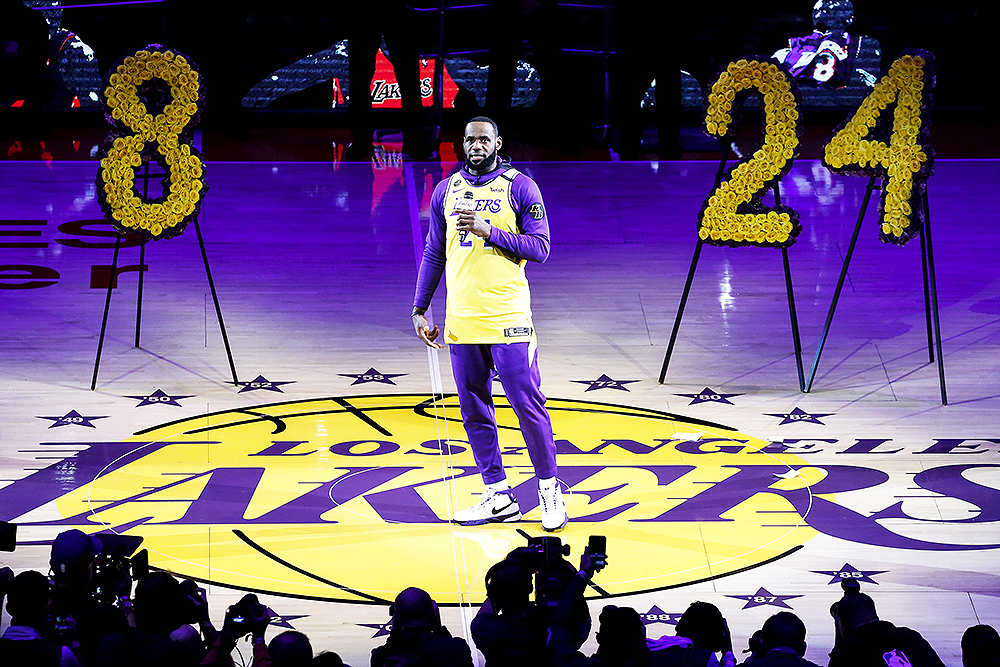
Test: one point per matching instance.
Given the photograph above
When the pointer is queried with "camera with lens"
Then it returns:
(240, 615)
(545, 556)
(118, 557)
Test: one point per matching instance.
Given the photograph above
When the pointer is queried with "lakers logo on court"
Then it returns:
(348, 498)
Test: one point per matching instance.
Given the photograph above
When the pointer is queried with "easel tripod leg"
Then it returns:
(215, 297)
(927, 297)
(138, 302)
(934, 299)
(142, 259)
(797, 341)
(680, 310)
(107, 309)
(840, 283)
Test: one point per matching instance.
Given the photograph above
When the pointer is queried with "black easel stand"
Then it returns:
(931, 313)
(690, 278)
(138, 313)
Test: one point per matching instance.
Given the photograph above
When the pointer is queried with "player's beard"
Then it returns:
(484, 167)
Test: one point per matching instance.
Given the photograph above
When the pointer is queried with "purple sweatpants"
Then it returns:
(474, 367)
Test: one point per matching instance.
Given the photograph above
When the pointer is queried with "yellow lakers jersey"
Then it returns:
(488, 297)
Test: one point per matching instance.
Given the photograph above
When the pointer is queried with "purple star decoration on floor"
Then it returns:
(381, 629)
(851, 572)
(159, 397)
(277, 620)
(764, 597)
(657, 615)
(73, 418)
(604, 382)
(799, 415)
(261, 382)
(709, 396)
(371, 375)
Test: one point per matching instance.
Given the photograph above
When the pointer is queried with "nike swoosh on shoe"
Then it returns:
(498, 511)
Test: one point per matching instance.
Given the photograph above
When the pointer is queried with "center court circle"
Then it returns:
(349, 498)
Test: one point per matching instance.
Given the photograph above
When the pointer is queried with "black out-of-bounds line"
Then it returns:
(360, 414)
(421, 409)
(371, 599)
(278, 559)
(279, 425)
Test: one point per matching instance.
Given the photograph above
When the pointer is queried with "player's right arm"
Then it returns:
(431, 269)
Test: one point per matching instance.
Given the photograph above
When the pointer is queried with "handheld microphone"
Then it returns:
(466, 203)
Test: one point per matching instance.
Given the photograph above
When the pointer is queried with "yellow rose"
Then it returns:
(703, 234)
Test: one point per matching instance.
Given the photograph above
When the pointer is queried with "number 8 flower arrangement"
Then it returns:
(153, 99)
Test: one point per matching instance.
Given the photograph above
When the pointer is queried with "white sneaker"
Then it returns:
(553, 509)
(493, 507)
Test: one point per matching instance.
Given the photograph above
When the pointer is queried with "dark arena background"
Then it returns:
(768, 328)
